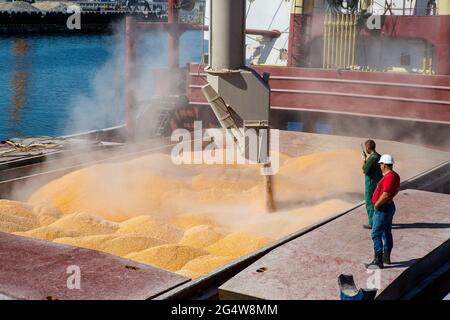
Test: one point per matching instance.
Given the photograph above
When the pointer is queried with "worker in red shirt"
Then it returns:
(382, 199)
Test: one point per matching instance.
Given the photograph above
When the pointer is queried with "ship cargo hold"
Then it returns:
(143, 221)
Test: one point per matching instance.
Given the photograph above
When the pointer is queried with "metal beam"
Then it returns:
(130, 75)
(227, 35)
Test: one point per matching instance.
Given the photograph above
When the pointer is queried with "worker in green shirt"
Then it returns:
(372, 174)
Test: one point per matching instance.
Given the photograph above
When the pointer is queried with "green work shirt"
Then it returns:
(371, 168)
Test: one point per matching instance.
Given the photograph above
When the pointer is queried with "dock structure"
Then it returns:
(308, 267)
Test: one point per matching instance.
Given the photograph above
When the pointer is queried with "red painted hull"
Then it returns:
(371, 94)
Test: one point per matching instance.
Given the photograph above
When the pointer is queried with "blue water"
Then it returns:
(55, 85)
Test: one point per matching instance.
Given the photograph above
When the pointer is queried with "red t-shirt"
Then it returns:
(390, 183)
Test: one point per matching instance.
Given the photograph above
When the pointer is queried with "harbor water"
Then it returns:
(48, 82)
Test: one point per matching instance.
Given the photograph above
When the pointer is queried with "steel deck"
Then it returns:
(36, 270)
(308, 267)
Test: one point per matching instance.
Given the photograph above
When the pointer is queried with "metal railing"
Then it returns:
(339, 41)
(120, 5)
(379, 7)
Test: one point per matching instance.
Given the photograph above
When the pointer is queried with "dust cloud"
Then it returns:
(189, 219)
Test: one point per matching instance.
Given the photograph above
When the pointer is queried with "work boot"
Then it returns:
(387, 257)
(367, 226)
(377, 262)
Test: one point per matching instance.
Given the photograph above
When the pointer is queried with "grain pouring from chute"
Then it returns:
(233, 88)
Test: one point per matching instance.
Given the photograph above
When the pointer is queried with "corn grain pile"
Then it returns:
(189, 219)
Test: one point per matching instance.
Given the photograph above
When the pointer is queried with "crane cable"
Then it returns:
(202, 41)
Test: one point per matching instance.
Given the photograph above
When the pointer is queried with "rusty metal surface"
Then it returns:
(308, 267)
(35, 269)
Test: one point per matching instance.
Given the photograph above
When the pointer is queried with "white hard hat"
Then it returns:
(387, 159)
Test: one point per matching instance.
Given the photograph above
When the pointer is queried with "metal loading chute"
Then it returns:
(233, 86)
(223, 114)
